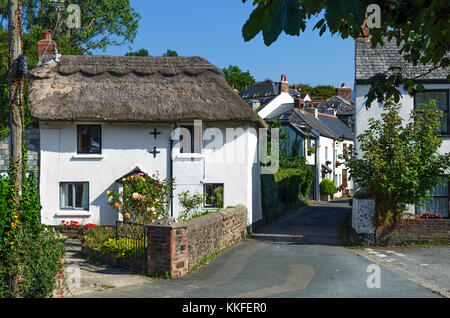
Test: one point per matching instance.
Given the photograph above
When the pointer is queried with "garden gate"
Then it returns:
(131, 240)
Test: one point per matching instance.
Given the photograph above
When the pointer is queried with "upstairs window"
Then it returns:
(74, 195)
(89, 139)
(422, 99)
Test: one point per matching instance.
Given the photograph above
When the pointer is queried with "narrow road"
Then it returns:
(300, 256)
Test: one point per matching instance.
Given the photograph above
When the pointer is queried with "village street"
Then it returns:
(300, 256)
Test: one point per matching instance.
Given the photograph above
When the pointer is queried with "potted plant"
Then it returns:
(327, 189)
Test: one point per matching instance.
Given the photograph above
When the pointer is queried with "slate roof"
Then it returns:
(342, 105)
(261, 90)
(336, 126)
(369, 62)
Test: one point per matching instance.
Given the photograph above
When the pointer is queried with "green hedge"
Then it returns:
(327, 187)
(287, 188)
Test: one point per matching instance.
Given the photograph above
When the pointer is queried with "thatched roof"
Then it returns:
(130, 88)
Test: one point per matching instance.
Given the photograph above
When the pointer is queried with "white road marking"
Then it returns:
(380, 255)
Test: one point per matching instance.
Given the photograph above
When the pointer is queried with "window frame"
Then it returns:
(447, 91)
(100, 141)
(440, 197)
(73, 195)
(208, 206)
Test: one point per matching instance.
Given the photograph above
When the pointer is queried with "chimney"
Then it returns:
(284, 85)
(313, 111)
(46, 46)
(254, 103)
(299, 103)
(345, 92)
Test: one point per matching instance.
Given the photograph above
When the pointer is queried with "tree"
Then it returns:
(399, 165)
(170, 53)
(141, 52)
(420, 28)
(104, 23)
(237, 78)
(316, 92)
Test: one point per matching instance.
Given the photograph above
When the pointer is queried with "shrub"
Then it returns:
(327, 187)
(144, 198)
(123, 247)
(191, 203)
(27, 249)
(94, 237)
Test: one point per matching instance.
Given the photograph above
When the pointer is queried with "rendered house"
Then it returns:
(321, 139)
(266, 97)
(370, 62)
(101, 117)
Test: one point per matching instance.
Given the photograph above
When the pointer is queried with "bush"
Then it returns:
(27, 249)
(327, 187)
(94, 237)
(123, 247)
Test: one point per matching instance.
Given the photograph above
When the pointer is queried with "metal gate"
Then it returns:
(131, 239)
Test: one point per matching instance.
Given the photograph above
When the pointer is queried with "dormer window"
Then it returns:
(89, 139)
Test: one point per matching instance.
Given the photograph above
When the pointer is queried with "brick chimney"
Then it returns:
(47, 46)
(299, 103)
(284, 85)
(345, 92)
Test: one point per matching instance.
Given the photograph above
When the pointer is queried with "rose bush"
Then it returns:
(144, 198)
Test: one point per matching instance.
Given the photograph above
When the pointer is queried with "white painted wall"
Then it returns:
(126, 146)
(362, 115)
(283, 98)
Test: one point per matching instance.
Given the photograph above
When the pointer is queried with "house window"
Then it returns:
(442, 103)
(74, 195)
(89, 139)
(184, 145)
(439, 203)
(213, 195)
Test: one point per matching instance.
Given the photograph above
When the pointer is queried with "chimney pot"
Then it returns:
(284, 85)
(46, 46)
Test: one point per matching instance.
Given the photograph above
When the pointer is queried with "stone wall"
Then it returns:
(178, 247)
(426, 232)
(33, 146)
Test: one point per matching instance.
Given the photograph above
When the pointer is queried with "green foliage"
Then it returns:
(400, 162)
(141, 52)
(191, 204)
(420, 28)
(95, 237)
(318, 91)
(170, 53)
(27, 248)
(238, 79)
(144, 198)
(123, 247)
(287, 188)
(327, 187)
(103, 22)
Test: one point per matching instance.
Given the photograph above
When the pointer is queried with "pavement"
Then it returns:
(300, 256)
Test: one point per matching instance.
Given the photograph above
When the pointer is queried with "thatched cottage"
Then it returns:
(100, 117)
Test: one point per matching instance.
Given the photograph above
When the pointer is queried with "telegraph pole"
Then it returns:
(16, 112)
(16, 83)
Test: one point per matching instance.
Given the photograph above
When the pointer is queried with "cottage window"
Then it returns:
(439, 203)
(188, 146)
(75, 195)
(441, 97)
(213, 195)
(89, 139)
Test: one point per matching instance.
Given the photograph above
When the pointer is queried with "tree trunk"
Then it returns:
(16, 110)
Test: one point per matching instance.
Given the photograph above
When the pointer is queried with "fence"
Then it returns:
(131, 240)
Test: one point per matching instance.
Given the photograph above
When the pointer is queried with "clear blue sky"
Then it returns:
(212, 29)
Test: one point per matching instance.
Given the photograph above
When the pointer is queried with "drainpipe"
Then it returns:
(171, 168)
(317, 159)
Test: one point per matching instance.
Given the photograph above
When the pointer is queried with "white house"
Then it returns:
(369, 62)
(321, 138)
(100, 117)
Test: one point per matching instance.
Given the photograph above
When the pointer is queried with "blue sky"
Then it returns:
(212, 29)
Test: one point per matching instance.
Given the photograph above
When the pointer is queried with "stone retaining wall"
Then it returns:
(426, 232)
(178, 247)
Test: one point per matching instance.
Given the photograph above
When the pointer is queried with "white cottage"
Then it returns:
(100, 117)
(369, 62)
